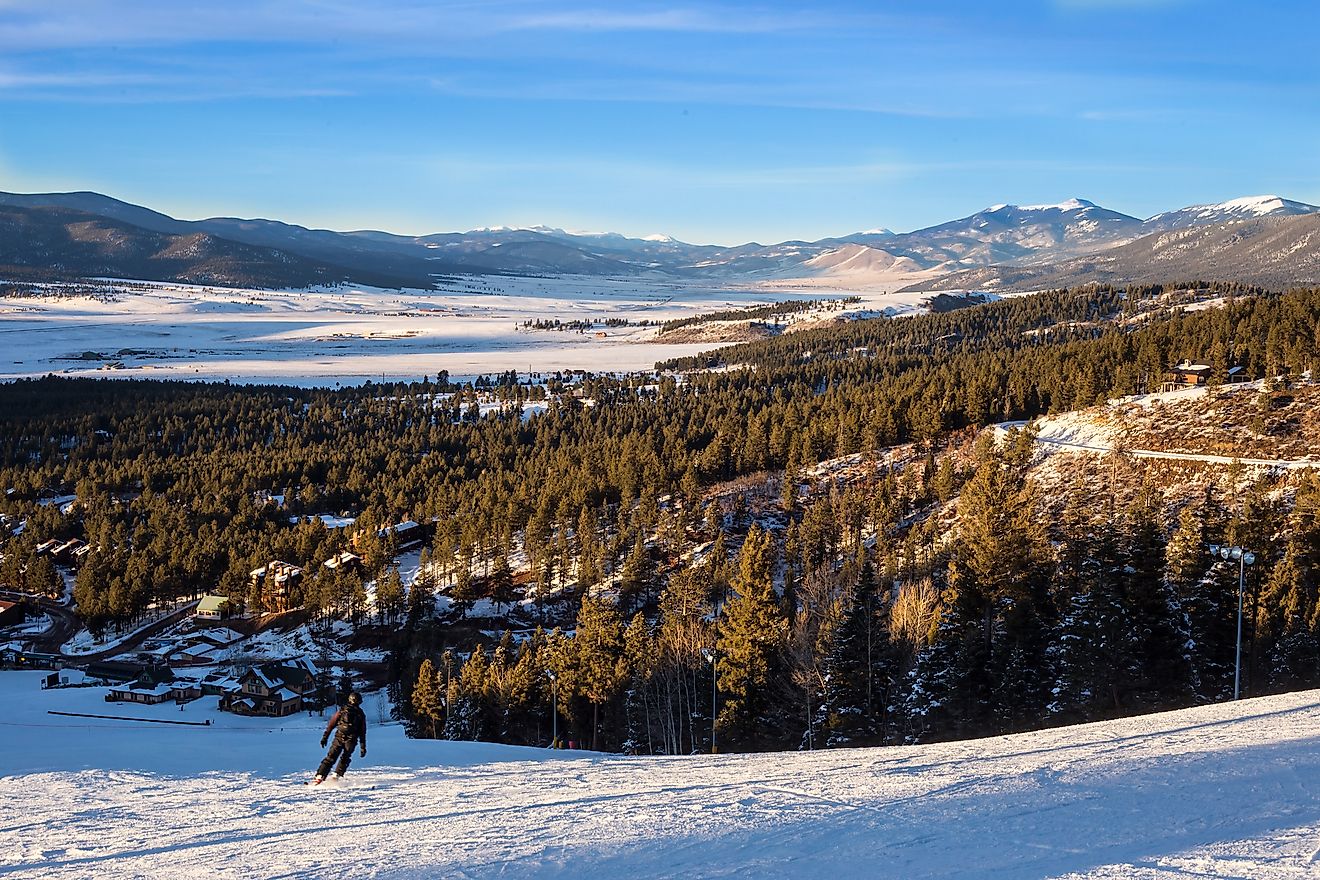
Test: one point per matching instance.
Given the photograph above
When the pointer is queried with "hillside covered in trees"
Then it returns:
(817, 542)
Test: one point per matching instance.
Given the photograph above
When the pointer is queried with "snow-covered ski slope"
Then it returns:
(1226, 791)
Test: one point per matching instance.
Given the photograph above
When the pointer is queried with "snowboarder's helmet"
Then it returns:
(355, 699)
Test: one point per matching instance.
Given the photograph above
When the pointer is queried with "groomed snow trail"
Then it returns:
(1229, 791)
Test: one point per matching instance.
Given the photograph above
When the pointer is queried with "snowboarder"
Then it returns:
(350, 726)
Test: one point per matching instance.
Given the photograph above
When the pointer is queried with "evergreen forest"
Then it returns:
(806, 541)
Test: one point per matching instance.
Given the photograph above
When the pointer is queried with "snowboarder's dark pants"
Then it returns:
(343, 750)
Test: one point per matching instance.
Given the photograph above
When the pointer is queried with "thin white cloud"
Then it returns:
(1118, 4)
(681, 20)
(34, 25)
(10, 80)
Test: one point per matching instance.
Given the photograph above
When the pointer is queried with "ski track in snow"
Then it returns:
(1226, 791)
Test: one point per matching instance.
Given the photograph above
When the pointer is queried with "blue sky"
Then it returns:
(713, 122)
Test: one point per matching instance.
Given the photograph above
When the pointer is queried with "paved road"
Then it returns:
(133, 641)
(65, 624)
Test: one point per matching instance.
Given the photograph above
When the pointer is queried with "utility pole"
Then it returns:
(554, 710)
(1244, 558)
(709, 654)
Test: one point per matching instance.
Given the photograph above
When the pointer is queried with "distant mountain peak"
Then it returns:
(1244, 208)
(1270, 202)
(1073, 204)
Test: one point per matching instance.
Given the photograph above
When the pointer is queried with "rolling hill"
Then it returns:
(57, 243)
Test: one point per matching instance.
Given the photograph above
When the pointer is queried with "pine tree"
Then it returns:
(639, 659)
(467, 718)
(1164, 673)
(421, 593)
(464, 591)
(1200, 587)
(1094, 656)
(427, 707)
(1000, 571)
(751, 639)
(389, 595)
(635, 579)
(856, 668)
(599, 646)
(947, 693)
(501, 583)
(1287, 601)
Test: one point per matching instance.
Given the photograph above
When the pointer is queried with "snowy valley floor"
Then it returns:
(1230, 791)
(468, 326)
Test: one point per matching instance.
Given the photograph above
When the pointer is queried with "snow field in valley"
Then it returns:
(1214, 792)
(469, 326)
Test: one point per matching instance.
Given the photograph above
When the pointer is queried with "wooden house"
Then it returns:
(277, 580)
(65, 552)
(1186, 375)
(274, 689)
(406, 534)
(137, 693)
(153, 685)
(343, 560)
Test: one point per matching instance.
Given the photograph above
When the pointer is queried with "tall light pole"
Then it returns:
(1244, 558)
(709, 654)
(554, 710)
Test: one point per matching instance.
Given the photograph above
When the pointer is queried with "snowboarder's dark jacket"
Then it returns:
(351, 725)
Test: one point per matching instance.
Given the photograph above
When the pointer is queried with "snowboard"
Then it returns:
(333, 782)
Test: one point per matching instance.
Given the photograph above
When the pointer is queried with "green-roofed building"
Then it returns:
(213, 607)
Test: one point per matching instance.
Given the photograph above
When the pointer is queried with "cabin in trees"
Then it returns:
(405, 534)
(274, 689)
(1190, 375)
(276, 581)
(71, 552)
(343, 560)
(1186, 375)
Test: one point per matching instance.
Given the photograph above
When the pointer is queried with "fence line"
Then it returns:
(206, 723)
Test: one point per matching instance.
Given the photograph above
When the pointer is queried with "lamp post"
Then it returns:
(709, 654)
(554, 710)
(1243, 558)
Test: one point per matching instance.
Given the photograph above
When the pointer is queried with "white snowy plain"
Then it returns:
(1225, 791)
(468, 326)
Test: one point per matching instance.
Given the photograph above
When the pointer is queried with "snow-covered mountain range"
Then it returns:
(1273, 250)
(1249, 208)
(1001, 235)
